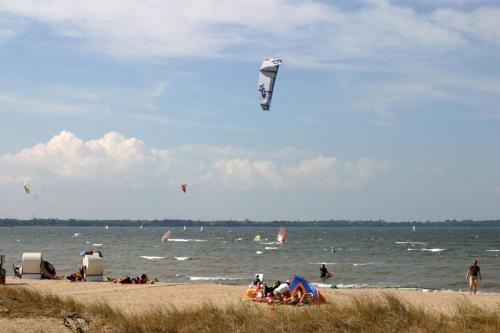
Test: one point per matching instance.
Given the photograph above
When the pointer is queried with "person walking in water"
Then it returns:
(473, 274)
(324, 272)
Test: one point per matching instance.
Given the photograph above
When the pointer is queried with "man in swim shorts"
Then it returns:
(473, 274)
(324, 272)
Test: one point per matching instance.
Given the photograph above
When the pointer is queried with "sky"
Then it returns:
(381, 109)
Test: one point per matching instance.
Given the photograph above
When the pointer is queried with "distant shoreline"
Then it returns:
(243, 223)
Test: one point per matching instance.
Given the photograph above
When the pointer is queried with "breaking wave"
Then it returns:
(151, 257)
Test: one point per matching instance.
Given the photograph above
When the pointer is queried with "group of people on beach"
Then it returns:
(125, 279)
(143, 279)
(278, 293)
(79, 276)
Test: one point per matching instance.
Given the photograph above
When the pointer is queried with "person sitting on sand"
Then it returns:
(307, 298)
(144, 279)
(256, 280)
(473, 274)
(282, 290)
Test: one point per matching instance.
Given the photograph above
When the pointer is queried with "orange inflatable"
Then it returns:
(250, 293)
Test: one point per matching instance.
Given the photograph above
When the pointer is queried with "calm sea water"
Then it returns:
(435, 258)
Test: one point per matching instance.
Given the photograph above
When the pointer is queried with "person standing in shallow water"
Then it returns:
(473, 274)
(324, 272)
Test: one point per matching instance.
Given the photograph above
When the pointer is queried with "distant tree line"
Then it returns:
(242, 223)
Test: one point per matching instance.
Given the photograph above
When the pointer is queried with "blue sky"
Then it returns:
(382, 109)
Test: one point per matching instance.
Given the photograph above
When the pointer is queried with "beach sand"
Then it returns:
(140, 298)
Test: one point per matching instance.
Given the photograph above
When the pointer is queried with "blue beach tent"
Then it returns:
(307, 287)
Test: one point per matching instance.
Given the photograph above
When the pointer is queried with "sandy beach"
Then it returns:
(140, 298)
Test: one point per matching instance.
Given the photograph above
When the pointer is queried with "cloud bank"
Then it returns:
(115, 160)
(309, 33)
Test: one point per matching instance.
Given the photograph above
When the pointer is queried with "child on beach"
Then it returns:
(473, 274)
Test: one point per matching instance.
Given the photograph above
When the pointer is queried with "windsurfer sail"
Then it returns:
(281, 235)
(165, 236)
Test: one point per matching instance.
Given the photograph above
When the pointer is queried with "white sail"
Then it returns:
(166, 236)
(281, 235)
(267, 77)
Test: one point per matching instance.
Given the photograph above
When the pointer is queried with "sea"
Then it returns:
(393, 257)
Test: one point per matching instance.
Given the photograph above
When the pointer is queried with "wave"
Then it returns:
(364, 286)
(492, 250)
(414, 243)
(186, 240)
(270, 248)
(151, 257)
(323, 285)
(338, 263)
(434, 250)
(238, 239)
(97, 244)
(182, 258)
(258, 252)
(215, 278)
(352, 286)
(268, 243)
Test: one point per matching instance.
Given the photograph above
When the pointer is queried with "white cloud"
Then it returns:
(159, 28)
(320, 173)
(67, 158)
(9, 28)
(123, 162)
(304, 32)
(480, 24)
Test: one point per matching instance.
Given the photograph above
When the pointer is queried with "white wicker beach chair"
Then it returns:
(93, 268)
(31, 265)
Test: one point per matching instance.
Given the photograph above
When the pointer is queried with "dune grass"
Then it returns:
(385, 313)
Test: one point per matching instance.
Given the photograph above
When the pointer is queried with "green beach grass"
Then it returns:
(385, 313)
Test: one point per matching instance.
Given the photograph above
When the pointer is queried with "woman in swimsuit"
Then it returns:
(473, 274)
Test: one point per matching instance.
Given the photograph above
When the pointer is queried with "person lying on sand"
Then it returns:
(76, 276)
(259, 298)
(143, 279)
